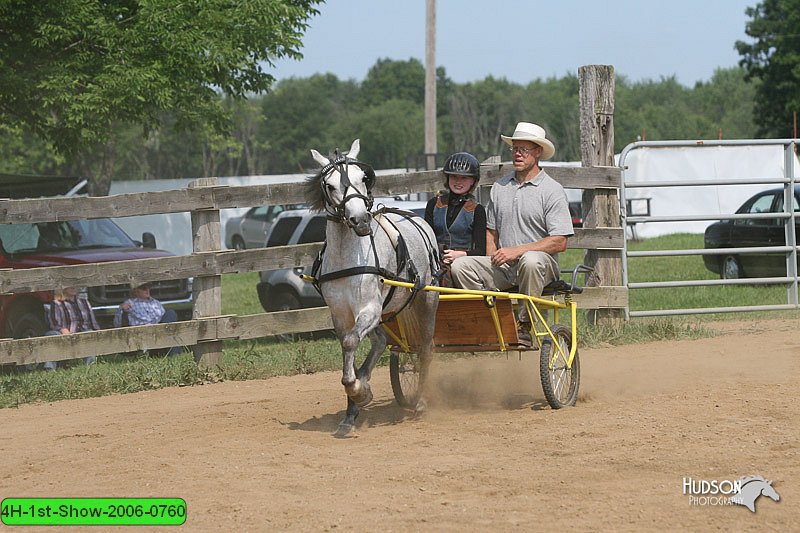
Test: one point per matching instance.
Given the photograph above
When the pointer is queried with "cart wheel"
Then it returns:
(559, 383)
(404, 373)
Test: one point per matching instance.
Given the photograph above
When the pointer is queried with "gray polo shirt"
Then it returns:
(529, 212)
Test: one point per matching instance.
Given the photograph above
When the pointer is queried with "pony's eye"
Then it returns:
(331, 188)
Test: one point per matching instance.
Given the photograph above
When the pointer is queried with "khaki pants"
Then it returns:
(531, 273)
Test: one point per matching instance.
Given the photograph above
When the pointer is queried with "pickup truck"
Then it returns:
(73, 242)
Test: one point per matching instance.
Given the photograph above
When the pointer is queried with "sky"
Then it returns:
(524, 40)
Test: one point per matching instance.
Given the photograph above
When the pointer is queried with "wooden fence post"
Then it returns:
(207, 290)
(600, 206)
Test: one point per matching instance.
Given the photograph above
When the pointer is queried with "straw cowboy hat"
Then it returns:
(525, 131)
(135, 284)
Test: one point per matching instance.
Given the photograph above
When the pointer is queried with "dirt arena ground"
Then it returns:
(490, 455)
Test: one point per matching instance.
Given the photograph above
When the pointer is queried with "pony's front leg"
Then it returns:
(355, 383)
(349, 421)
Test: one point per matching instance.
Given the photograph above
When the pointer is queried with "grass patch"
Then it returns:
(117, 374)
(683, 268)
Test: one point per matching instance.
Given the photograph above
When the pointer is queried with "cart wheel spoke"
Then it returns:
(559, 383)
(404, 374)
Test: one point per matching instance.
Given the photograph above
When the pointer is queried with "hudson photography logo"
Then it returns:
(744, 491)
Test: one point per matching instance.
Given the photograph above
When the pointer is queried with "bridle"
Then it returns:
(336, 212)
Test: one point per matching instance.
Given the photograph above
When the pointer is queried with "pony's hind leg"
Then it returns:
(425, 306)
(425, 354)
(378, 339)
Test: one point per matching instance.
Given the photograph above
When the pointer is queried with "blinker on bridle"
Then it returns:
(340, 163)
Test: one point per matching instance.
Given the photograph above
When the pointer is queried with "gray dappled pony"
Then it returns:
(355, 242)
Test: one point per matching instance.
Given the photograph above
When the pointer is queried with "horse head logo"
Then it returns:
(752, 488)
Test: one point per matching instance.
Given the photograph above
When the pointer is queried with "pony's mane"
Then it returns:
(313, 192)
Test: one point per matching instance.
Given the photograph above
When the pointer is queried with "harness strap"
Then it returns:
(388, 227)
(404, 261)
(355, 271)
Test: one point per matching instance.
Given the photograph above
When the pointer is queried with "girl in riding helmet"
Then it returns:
(458, 220)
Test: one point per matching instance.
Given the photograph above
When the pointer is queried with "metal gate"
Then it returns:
(787, 218)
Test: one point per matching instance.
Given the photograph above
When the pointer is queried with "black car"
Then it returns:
(749, 232)
(575, 211)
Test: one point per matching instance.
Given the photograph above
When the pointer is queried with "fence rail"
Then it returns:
(207, 264)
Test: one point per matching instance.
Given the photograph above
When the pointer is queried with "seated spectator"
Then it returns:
(142, 309)
(69, 313)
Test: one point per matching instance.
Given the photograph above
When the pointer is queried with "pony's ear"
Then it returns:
(319, 158)
(354, 149)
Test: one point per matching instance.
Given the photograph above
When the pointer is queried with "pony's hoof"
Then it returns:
(344, 431)
(360, 392)
(421, 407)
(365, 396)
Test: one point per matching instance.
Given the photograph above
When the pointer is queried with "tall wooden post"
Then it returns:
(430, 85)
(600, 206)
(207, 290)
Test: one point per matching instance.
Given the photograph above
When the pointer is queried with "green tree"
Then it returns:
(305, 113)
(481, 111)
(389, 79)
(389, 132)
(656, 110)
(727, 101)
(73, 70)
(553, 104)
(773, 58)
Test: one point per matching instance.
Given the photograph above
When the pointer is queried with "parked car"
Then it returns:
(46, 244)
(75, 242)
(575, 211)
(741, 233)
(283, 289)
(250, 229)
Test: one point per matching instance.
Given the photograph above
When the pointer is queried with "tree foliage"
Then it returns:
(73, 71)
(773, 58)
(272, 134)
(400, 80)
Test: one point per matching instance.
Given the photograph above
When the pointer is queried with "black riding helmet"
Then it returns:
(462, 164)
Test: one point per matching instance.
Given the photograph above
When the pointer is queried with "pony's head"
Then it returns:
(343, 188)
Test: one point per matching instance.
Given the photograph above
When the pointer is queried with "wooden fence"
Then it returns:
(208, 328)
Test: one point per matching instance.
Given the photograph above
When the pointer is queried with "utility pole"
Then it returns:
(430, 84)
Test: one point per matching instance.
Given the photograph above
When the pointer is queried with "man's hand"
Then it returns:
(125, 306)
(549, 245)
(506, 255)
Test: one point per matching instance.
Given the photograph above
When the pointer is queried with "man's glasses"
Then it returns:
(520, 149)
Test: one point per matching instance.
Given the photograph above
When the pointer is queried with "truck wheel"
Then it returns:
(238, 243)
(30, 323)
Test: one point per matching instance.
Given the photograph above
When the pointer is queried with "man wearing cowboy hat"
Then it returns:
(527, 224)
